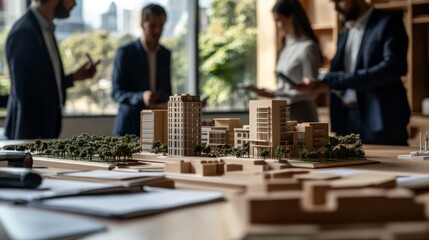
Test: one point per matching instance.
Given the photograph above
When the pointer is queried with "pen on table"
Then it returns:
(19, 178)
(15, 159)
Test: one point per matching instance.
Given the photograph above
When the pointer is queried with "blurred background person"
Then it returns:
(38, 83)
(141, 73)
(299, 58)
(368, 96)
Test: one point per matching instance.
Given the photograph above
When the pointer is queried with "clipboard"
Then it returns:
(286, 78)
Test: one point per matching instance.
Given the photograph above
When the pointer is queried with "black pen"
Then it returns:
(19, 178)
(89, 58)
(15, 159)
(91, 61)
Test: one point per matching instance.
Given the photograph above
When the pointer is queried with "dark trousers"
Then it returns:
(397, 136)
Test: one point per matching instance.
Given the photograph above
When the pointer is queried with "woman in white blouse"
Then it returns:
(299, 58)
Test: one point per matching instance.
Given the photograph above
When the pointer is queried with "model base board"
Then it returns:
(411, 157)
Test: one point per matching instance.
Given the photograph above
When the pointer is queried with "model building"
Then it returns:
(267, 120)
(184, 124)
(153, 128)
(241, 135)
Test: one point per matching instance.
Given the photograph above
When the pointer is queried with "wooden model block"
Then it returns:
(316, 177)
(249, 164)
(285, 173)
(179, 167)
(276, 165)
(209, 168)
(233, 167)
(374, 205)
(274, 185)
(274, 208)
(315, 191)
(220, 167)
(343, 207)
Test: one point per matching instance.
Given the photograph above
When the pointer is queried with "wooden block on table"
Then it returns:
(233, 167)
(274, 185)
(178, 167)
(285, 173)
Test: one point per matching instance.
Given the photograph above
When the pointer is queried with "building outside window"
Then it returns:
(224, 55)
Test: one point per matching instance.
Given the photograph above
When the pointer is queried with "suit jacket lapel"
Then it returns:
(337, 63)
(142, 64)
(368, 30)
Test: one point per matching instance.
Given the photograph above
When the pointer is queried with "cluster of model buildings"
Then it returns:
(182, 128)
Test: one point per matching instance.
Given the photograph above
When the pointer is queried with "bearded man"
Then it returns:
(368, 96)
(38, 82)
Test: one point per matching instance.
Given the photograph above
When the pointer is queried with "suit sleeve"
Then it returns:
(392, 65)
(21, 54)
(119, 78)
(166, 90)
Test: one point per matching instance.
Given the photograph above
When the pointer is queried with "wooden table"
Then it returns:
(226, 220)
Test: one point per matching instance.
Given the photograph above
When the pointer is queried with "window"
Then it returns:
(223, 55)
(227, 48)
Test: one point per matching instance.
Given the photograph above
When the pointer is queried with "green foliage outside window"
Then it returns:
(91, 96)
(228, 51)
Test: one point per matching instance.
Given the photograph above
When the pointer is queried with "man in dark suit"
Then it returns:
(38, 82)
(141, 74)
(367, 94)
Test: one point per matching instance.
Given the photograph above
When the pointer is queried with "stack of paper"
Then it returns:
(57, 187)
(153, 200)
(24, 223)
(127, 179)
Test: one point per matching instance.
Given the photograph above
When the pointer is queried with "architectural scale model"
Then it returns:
(422, 153)
(154, 126)
(184, 124)
(241, 135)
(269, 129)
(312, 198)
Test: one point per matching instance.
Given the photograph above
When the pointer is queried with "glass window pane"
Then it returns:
(227, 45)
(99, 27)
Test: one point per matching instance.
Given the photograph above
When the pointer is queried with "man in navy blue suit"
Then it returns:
(141, 74)
(367, 94)
(38, 82)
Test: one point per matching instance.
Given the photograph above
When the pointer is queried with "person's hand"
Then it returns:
(86, 71)
(312, 85)
(251, 87)
(150, 98)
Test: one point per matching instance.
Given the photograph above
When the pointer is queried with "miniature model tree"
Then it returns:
(336, 148)
(207, 149)
(198, 150)
(163, 149)
(246, 148)
(238, 152)
(264, 153)
(156, 146)
(85, 147)
(280, 152)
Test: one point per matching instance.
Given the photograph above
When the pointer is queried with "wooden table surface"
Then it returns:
(226, 220)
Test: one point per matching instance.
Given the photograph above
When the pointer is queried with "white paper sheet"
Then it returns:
(52, 187)
(132, 204)
(113, 175)
(24, 223)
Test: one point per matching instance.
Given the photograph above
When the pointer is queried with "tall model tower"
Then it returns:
(267, 120)
(184, 124)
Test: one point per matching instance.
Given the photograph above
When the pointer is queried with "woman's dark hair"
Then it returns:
(301, 23)
(154, 9)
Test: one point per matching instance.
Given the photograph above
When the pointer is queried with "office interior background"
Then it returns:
(216, 44)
